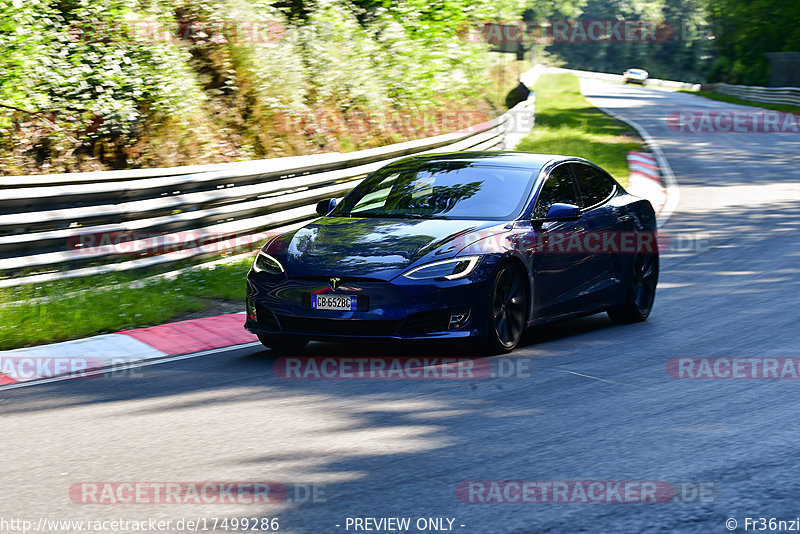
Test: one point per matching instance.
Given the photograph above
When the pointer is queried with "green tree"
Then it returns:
(682, 50)
(745, 30)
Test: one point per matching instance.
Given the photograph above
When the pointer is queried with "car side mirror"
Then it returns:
(324, 207)
(559, 212)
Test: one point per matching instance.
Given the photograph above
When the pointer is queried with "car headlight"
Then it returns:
(448, 269)
(266, 263)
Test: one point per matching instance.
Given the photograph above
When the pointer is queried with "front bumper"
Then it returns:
(397, 309)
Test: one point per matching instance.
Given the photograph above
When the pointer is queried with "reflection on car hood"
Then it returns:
(379, 248)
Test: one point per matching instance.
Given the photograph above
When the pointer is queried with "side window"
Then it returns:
(595, 185)
(557, 188)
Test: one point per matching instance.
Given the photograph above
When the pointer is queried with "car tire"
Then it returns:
(641, 290)
(508, 307)
(283, 344)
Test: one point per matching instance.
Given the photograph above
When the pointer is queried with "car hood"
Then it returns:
(381, 248)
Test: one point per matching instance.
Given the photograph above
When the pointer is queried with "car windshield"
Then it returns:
(440, 189)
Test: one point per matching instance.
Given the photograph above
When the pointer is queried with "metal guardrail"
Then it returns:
(65, 226)
(651, 82)
(768, 95)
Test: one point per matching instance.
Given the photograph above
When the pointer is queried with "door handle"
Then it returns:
(624, 218)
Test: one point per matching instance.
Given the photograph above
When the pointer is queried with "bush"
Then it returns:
(86, 87)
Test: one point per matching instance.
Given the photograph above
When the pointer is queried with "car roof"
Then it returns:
(528, 160)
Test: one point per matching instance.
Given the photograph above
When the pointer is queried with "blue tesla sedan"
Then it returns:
(478, 245)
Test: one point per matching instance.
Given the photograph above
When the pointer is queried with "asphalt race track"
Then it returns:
(587, 400)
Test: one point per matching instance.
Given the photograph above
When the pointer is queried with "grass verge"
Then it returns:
(567, 124)
(733, 100)
(74, 308)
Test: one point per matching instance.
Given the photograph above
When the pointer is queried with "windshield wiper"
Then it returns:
(410, 216)
(394, 215)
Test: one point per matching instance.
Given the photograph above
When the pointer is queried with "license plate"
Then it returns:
(334, 302)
